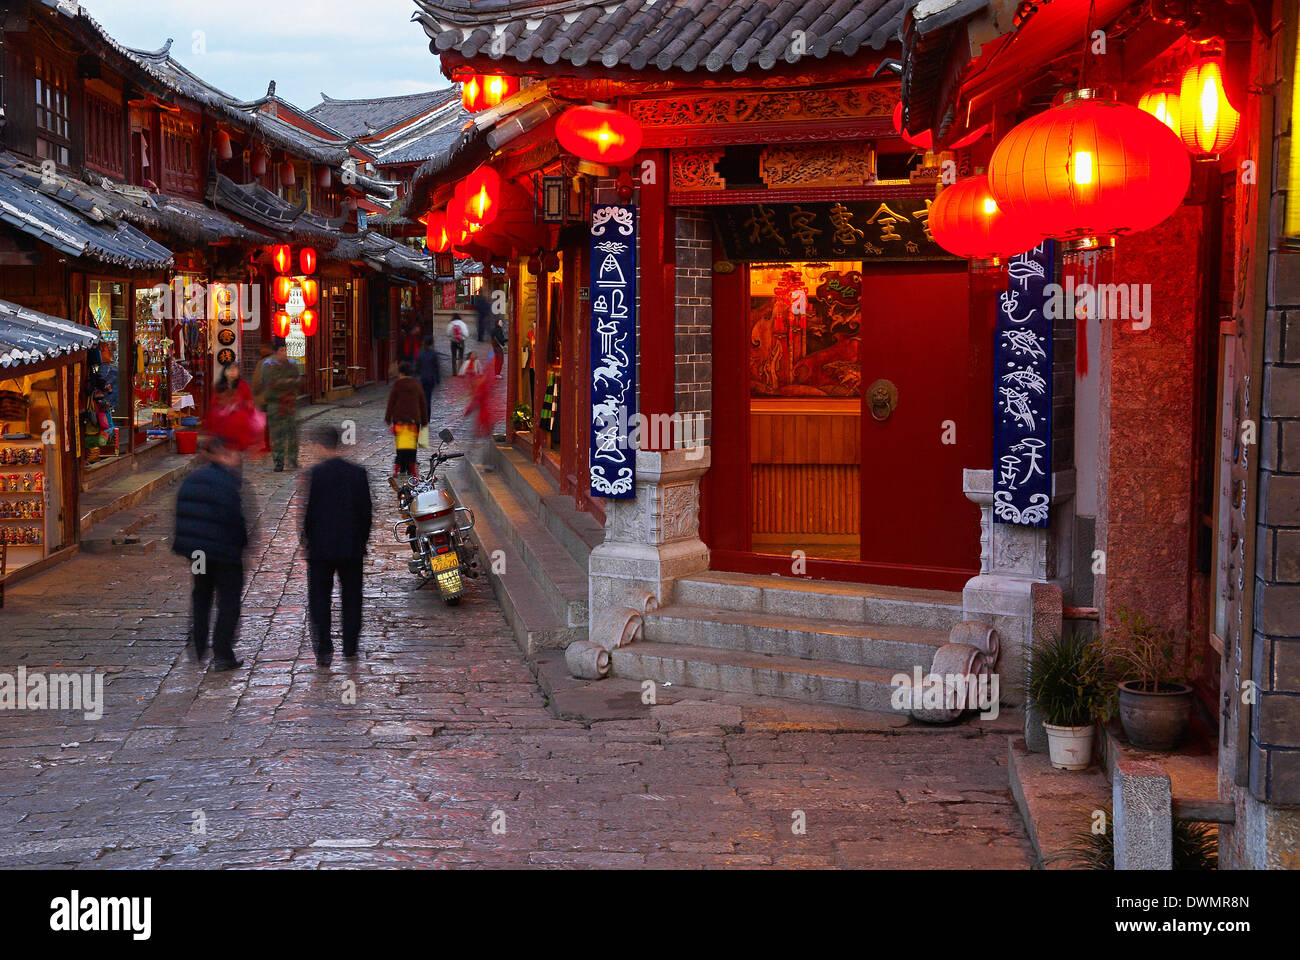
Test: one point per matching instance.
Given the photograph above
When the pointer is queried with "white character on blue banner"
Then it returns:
(613, 350)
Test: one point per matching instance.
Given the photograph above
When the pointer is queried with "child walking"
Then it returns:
(407, 412)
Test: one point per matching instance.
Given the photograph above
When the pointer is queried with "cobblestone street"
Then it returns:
(448, 737)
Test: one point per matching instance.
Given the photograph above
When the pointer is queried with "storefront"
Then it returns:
(40, 364)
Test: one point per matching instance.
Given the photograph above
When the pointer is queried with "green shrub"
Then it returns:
(1068, 681)
(1196, 847)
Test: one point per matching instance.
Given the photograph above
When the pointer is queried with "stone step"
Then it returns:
(577, 532)
(562, 582)
(821, 599)
(863, 644)
(524, 600)
(842, 684)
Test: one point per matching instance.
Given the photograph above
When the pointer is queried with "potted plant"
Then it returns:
(1067, 682)
(523, 416)
(1155, 701)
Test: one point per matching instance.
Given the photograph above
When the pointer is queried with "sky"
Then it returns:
(346, 48)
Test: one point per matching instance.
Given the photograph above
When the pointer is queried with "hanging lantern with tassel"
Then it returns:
(310, 291)
(308, 321)
(224, 149)
(281, 258)
(1162, 103)
(599, 134)
(1208, 123)
(287, 175)
(307, 260)
(481, 191)
(965, 220)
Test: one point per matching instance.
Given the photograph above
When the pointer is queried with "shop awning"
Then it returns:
(55, 212)
(29, 336)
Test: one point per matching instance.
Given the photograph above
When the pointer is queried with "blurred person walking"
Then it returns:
(211, 532)
(426, 366)
(457, 334)
(406, 413)
(281, 381)
(335, 529)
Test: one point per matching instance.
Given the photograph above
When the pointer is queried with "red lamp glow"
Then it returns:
(307, 260)
(281, 288)
(1208, 123)
(481, 91)
(436, 233)
(482, 193)
(599, 134)
(308, 321)
(310, 291)
(281, 258)
(280, 323)
(1090, 170)
(966, 220)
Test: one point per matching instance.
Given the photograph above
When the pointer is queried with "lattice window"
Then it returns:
(105, 136)
(53, 129)
(178, 155)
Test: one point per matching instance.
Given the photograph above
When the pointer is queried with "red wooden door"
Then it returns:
(918, 529)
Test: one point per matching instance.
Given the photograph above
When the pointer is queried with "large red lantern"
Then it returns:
(966, 220)
(482, 193)
(599, 134)
(224, 149)
(481, 91)
(287, 175)
(1090, 170)
(281, 258)
(457, 226)
(1208, 123)
(307, 260)
(280, 323)
(310, 291)
(257, 163)
(281, 288)
(307, 319)
(436, 232)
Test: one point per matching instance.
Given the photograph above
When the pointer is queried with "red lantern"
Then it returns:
(281, 288)
(308, 321)
(324, 177)
(280, 323)
(966, 220)
(436, 233)
(482, 193)
(224, 150)
(257, 163)
(1208, 123)
(307, 260)
(1090, 170)
(457, 226)
(281, 258)
(599, 134)
(481, 91)
(1162, 104)
(310, 291)
(287, 176)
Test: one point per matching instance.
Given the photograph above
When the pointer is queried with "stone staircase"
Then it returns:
(819, 641)
(539, 541)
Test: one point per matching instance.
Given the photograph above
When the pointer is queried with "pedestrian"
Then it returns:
(457, 334)
(406, 413)
(280, 384)
(335, 529)
(233, 416)
(212, 534)
(259, 392)
(498, 345)
(480, 401)
(470, 367)
(484, 311)
(426, 365)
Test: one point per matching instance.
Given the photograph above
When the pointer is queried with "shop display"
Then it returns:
(22, 482)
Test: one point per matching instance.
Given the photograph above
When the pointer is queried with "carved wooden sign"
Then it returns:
(892, 229)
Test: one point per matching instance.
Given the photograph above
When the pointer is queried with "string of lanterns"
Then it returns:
(1088, 170)
(284, 285)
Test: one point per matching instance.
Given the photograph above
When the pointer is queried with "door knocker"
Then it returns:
(882, 398)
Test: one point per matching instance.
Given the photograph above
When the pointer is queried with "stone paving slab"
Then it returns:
(439, 747)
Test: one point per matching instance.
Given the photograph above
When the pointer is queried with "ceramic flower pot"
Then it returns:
(1069, 748)
(1155, 719)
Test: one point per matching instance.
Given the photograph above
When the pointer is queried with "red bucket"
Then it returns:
(187, 441)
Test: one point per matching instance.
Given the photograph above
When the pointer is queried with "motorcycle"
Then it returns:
(437, 528)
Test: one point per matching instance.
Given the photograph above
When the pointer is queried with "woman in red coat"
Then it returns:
(233, 417)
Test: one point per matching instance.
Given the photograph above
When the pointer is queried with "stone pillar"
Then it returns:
(654, 538)
(1142, 816)
(1018, 590)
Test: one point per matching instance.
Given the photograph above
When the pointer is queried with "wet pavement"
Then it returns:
(436, 747)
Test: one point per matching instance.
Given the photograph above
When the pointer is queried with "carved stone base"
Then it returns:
(653, 539)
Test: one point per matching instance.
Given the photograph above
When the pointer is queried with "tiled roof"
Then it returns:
(357, 118)
(65, 214)
(667, 34)
(29, 336)
(430, 136)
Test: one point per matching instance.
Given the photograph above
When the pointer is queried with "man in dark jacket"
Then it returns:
(211, 534)
(335, 529)
(426, 365)
(406, 413)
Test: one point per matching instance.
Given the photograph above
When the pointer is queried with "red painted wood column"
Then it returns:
(658, 343)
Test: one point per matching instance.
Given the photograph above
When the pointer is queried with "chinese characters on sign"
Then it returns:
(613, 350)
(1022, 393)
(894, 229)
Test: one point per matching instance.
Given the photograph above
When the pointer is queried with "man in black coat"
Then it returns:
(335, 528)
(212, 535)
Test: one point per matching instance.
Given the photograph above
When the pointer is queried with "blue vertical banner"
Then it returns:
(1022, 391)
(613, 350)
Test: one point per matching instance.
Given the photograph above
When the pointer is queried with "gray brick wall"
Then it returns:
(694, 328)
